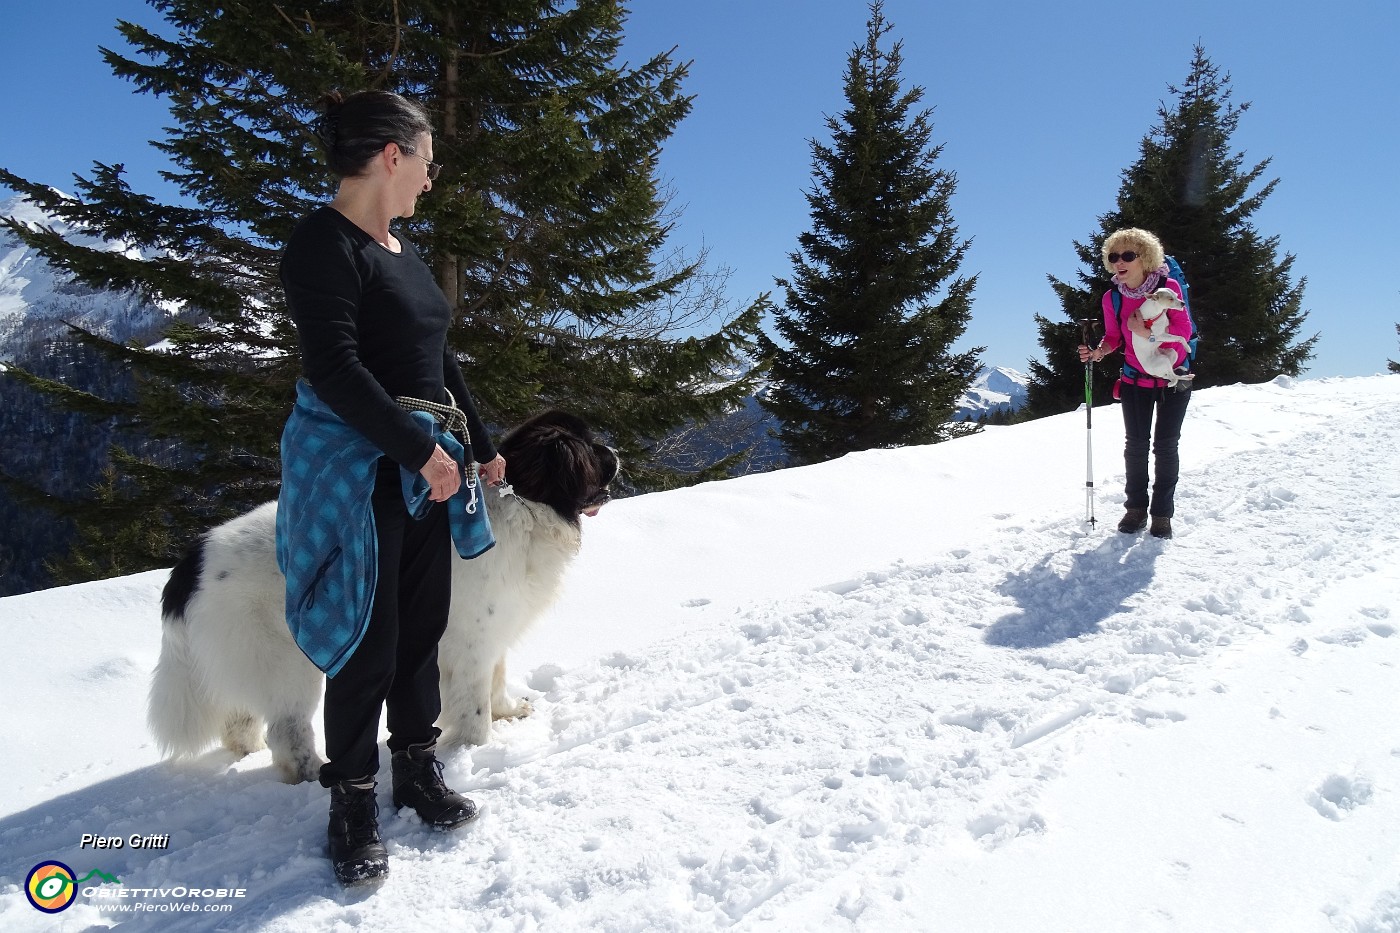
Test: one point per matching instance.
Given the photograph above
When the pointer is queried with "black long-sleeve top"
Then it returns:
(372, 324)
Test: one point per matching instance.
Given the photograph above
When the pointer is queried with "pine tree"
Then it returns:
(1392, 365)
(869, 361)
(1188, 189)
(547, 230)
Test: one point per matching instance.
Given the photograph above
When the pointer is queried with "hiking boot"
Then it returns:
(1161, 527)
(357, 855)
(418, 784)
(1133, 520)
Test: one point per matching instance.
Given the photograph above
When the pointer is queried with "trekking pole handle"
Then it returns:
(1086, 330)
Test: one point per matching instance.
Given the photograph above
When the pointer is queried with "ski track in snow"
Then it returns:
(787, 764)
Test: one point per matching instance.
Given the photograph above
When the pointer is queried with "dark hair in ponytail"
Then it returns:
(354, 129)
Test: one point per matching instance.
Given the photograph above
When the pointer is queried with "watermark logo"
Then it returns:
(53, 886)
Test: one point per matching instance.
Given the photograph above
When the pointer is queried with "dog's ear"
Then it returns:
(552, 459)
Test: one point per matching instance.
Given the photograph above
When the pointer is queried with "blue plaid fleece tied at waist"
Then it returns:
(326, 542)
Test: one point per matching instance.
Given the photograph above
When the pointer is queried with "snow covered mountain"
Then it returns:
(35, 299)
(996, 389)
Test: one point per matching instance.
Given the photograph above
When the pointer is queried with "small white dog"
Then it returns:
(228, 663)
(1152, 344)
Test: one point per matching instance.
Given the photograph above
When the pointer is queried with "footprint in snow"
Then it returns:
(995, 830)
(1339, 794)
(1152, 716)
(1347, 637)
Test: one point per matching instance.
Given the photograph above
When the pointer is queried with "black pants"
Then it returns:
(1139, 406)
(396, 663)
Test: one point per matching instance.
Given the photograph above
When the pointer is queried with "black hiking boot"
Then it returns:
(357, 855)
(1133, 520)
(418, 784)
(1161, 527)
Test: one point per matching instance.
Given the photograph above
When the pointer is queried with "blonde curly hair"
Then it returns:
(1147, 246)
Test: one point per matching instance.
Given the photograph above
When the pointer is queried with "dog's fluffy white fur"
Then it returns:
(1148, 327)
(228, 663)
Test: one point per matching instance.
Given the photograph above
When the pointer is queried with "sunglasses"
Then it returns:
(433, 167)
(1128, 256)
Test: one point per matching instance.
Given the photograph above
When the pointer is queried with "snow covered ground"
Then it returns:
(905, 690)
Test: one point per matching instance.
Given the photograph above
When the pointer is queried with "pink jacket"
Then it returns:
(1178, 322)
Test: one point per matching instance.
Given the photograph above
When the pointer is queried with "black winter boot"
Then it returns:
(357, 855)
(418, 784)
(1133, 520)
(1161, 527)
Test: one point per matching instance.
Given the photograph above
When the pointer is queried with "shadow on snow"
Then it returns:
(227, 829)
(1059, 606)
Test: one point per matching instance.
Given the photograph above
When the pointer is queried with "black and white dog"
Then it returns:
(228, 663)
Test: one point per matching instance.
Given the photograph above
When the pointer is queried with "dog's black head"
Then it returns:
(553, 458)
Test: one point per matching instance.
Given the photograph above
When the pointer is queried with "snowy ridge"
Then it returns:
(35, 300)
(996, 389)
(972, 714)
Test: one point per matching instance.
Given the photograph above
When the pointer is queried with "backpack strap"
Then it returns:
(1129, 372)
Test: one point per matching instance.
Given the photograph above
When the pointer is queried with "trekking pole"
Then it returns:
(1087, 329)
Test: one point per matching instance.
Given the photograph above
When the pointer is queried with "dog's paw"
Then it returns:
(300, 771)
(467, 732)
(242, 734)
(511, 709)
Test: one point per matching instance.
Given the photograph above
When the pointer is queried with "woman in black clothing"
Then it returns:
(372, 327)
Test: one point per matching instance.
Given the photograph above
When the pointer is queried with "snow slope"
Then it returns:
(905, 690)
(35, 301)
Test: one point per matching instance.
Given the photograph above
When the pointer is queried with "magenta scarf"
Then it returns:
(1148, 286)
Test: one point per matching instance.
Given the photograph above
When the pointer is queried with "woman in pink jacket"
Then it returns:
(1138, 263)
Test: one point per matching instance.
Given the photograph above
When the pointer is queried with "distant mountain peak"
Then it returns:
(996, 388)
(36, 298)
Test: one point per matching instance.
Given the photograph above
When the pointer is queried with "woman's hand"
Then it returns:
(443, 474)
(1137, 325)
(494, 473)
(1086, 354)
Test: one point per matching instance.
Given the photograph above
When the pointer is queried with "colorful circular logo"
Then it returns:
(51, 887)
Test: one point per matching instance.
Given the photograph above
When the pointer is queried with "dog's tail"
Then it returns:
(179, 712)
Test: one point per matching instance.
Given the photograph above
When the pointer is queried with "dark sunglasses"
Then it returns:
(433, 167)
(1128, 256)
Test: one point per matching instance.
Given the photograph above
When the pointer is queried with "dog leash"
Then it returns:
(452, 417)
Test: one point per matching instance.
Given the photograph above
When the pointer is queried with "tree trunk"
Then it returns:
(449, 273)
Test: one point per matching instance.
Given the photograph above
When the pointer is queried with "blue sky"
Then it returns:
(1039, 108)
